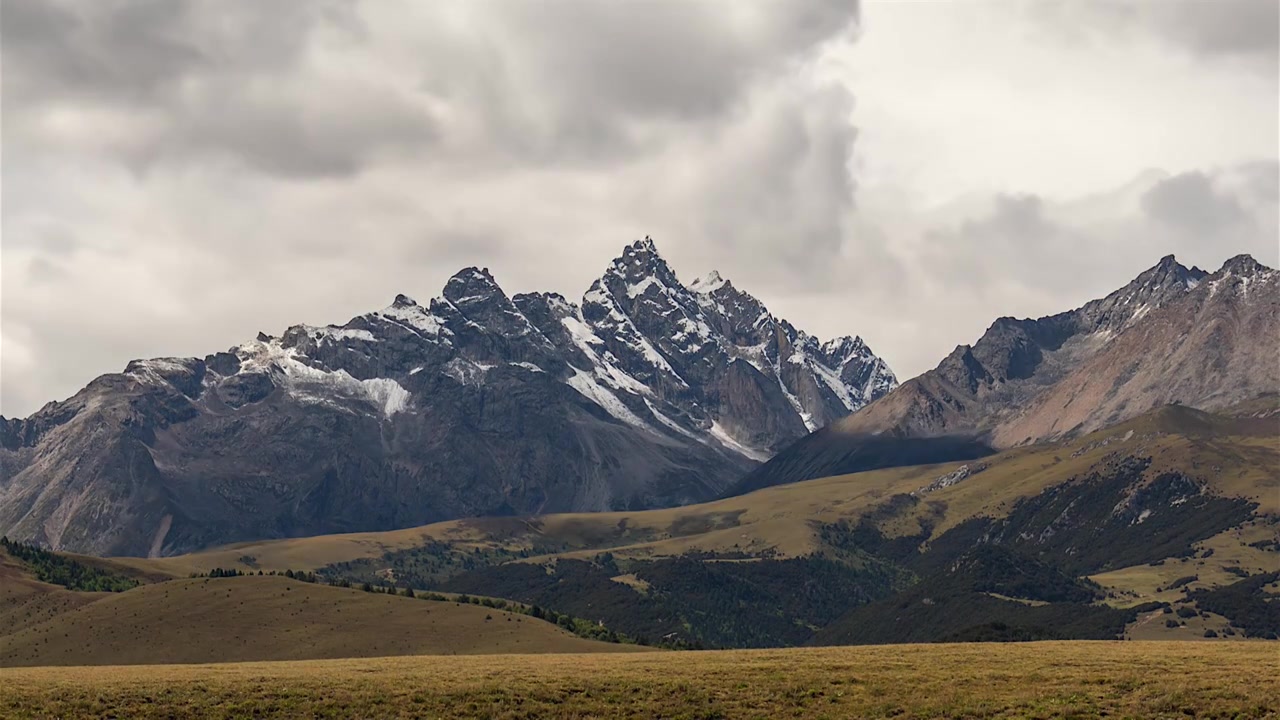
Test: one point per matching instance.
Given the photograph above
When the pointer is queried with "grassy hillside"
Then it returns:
(1040, 680)
(773, 520)
(26, 601)
(240, 619)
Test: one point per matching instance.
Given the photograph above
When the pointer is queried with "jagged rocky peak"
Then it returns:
(1243, 266)
(735, 313)
(405, 315)
(548, 312)
(1013, 349)
(1240, 277)
(1166, 280)
(642, 253)
(962, 369)
(639, 270)
(843, 349)
(472, 286)
(1170, 273)
(484, 307)
(543, 303)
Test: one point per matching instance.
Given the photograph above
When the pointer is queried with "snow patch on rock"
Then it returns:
(319, 386)
(585, 383)
(718, 432)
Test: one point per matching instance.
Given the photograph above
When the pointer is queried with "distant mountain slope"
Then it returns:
(1172, 335)
(650, 393)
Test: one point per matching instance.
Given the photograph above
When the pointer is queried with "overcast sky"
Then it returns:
(180, 174)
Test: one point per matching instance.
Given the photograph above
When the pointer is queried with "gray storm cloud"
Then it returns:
(1246, 30)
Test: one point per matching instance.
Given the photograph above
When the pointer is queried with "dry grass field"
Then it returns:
(258, 618)
(25, 601)
(1038, 680)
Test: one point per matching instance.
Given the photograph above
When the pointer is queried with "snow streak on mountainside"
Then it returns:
(649, 392)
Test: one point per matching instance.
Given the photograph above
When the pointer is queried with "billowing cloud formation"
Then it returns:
(303, 88)
(180, 174)
(1039, 256)
(1189, 204)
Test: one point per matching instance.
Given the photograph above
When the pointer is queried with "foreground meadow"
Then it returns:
(1034, 680)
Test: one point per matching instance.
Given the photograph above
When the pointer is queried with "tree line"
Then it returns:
(57, 569)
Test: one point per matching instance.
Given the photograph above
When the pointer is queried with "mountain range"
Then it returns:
(1107, 472)
(1174, 335)
(648, 393)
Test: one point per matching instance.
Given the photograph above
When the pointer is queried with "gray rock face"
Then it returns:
(648, 393)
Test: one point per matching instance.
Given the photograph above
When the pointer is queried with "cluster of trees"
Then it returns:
(385, 589)
(303, 575)
(424, 566)
(689, 603)
(57, 569)
(1249, 608)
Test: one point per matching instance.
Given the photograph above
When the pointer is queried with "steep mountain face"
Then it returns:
(1173, 335)
(649, 393)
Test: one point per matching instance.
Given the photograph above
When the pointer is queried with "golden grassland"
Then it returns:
(1036, 680)
(257, 618)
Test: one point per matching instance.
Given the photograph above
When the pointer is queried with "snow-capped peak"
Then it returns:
(841, 350)
(708, 283)
(638, 262)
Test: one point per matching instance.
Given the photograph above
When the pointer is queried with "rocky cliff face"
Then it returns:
(648, 393)
(1172, 335)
